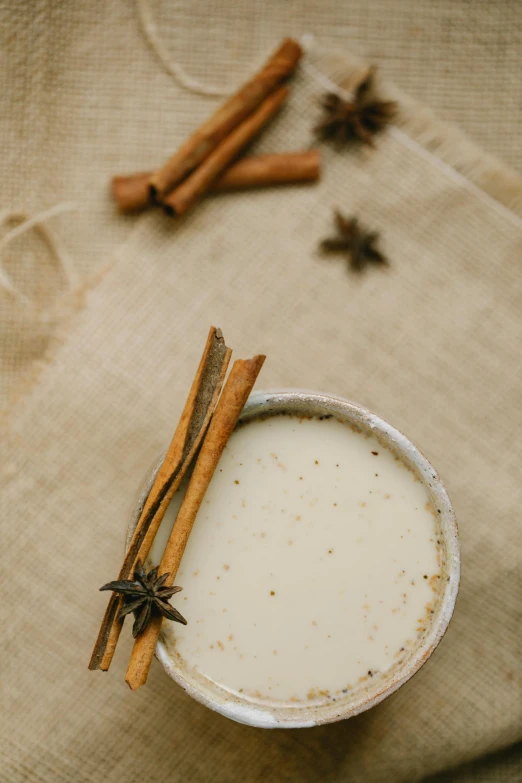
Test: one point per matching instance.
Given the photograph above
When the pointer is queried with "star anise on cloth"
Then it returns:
(145, 595)
(357, 119)
(355, 241)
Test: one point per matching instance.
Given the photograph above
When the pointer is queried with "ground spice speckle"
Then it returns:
(283, 511)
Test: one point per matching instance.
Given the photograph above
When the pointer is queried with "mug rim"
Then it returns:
(312, 403)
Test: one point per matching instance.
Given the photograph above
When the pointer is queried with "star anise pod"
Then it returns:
(355, 241)
(146, 595)
(356, 119)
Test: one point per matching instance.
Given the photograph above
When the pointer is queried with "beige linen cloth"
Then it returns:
(432, 344)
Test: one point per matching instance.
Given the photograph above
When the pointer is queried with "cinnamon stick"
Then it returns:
(199, 407)
(131, 192)
(280, 65)
(264, 170)
(235, 393)
(181, 198)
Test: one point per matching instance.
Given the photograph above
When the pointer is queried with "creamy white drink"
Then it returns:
(313, 568)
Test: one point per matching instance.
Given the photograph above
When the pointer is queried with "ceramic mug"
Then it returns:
(305, 403)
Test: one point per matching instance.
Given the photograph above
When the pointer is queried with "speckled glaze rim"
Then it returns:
(309, 403)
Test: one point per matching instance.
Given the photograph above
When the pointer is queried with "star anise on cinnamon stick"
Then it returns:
(355, 241)
(146, 595)
(357, 119)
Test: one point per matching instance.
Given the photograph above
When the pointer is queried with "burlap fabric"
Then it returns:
(432, 344)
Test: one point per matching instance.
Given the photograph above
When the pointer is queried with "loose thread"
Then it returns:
(64, 260)
(178, 73)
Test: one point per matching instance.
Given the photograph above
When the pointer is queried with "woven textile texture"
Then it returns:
(84, 96)
(432, 344)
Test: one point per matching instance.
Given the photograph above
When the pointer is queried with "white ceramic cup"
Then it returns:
(305, 403)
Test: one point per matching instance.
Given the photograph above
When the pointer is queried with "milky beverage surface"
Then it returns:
(311, 567)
